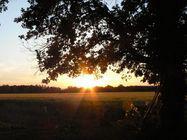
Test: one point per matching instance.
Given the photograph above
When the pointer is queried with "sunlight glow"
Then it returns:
(87, 81)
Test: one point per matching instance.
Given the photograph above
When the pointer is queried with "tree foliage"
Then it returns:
(3, 4)
(88, 36)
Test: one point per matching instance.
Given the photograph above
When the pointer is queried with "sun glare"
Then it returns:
(86, 81)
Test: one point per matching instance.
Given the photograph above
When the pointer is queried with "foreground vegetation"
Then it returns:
(98, 116)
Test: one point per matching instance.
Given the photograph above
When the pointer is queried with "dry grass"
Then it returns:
(112, 96)
(67, 116)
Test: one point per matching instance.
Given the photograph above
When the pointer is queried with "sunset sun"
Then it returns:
(86, 81)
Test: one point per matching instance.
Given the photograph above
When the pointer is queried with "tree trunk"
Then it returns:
(172, 97)
(171, 70)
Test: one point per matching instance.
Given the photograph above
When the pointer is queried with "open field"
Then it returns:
(68, 116)
(110, 96)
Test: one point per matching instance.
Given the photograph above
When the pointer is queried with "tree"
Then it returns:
(146, 36)
(3, 6)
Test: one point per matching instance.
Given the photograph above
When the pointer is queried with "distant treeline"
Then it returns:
(120, 88)
(29, 89)
(46, 89)
(125, 88)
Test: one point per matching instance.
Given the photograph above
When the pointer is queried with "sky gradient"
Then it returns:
(18, 65)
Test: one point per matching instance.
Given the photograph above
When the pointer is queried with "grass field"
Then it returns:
(69, 116)
(110, 96)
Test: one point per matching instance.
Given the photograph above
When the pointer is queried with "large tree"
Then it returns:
(148, 37)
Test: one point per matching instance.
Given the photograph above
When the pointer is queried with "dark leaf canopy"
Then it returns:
(3, 6)
(88, 36)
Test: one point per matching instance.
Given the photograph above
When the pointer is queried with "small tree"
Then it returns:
(146, 36)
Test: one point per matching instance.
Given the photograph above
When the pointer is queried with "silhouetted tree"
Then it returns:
(146, 36)
(3, 6)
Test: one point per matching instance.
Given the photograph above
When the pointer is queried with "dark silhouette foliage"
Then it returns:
(122, 88)
(29, 89)
(3, 6)
(88, 36)
(108, 88)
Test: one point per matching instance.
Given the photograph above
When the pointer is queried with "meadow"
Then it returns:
(69, 116)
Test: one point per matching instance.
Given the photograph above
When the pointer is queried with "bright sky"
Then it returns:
(18, 65)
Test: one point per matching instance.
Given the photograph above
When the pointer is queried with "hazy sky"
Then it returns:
(18, 65)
